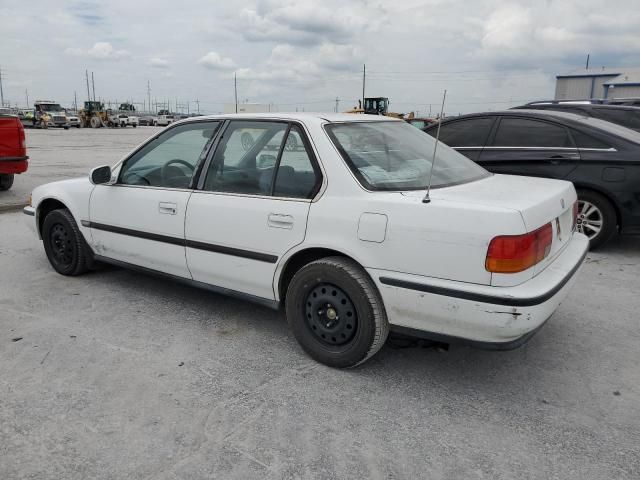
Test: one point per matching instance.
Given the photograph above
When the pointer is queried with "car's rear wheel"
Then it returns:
(64, 245)
(336, 313)
(596, 217)
(6, 181)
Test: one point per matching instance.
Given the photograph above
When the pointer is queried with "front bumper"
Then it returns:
(32, 220)
(479, 314)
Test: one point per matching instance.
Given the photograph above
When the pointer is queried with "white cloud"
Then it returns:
(215, 61)
(99, 51)
(158, 62)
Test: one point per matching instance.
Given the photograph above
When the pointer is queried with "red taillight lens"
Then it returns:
(515, 253)
(575, 215)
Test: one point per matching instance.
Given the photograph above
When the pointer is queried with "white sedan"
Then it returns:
(327, 216)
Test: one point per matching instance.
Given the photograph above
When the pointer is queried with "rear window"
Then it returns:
(464, 133)
(397, 156)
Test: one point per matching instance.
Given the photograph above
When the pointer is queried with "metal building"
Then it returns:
(606, 83)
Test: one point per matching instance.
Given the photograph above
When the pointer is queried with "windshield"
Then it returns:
(51, 107)
(397, 156)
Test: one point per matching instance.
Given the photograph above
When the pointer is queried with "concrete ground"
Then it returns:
(119, 375)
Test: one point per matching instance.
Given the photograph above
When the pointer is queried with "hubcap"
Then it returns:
(61, 245)
(589, 219)
(331, 316)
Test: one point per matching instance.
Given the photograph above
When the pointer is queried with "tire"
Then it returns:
(95, 122)
(336, 313)
(66, 128)
(64, 245)
(6, 181)
(595, 210)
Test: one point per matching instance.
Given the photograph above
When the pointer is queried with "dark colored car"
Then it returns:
(13, 150)
(621, 114)
(602, 159)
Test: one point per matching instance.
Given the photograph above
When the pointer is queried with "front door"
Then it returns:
(251, 206)
(140, 218)
(523, 146)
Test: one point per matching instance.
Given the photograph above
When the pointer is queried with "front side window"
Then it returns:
(170, 159)
(396, 156)
(522, 132)
(464, 133)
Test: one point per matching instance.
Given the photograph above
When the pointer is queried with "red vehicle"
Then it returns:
(13, 150)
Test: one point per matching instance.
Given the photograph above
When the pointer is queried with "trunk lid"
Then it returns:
(538, 200)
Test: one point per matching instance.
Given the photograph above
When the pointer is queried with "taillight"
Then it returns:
(21, 139)
(515, 253)
(575, 216)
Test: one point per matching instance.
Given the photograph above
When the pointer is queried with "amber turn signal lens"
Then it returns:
(516, 253)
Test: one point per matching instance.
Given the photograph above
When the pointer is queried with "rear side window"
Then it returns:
(297, 176)
(587, 141)
(522, 132)
(626, 118)
(465, 133)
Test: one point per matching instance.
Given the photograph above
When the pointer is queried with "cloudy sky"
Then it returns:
(488, 54)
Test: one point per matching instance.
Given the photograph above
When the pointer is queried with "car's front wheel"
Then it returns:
(597, 218)
(336, 313)
(64, 244)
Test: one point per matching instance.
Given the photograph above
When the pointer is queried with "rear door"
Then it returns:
(525, 146)
(251, 205)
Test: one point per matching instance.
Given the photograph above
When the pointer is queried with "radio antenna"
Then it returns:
(426, 198)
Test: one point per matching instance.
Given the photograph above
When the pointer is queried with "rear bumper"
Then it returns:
(481, 315)
(9, 165)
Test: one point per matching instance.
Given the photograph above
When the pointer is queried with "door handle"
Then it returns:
(168, 208)
(278, 220)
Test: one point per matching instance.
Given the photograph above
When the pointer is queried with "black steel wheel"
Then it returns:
(331, 315)
(335, 312)
(64, 244)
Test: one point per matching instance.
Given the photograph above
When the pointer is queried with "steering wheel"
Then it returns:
(165, 168)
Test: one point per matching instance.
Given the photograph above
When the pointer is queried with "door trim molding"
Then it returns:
(209, 247)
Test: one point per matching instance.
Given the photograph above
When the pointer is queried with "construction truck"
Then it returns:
(93, 115)
(378, 106)
(49, 114)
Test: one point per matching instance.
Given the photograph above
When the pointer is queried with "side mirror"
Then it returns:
(266, 161)
(100, 175)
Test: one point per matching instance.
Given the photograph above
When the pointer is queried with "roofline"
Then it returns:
(624, 84)
(587, 75)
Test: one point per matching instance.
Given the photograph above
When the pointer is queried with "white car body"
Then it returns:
(426, 259)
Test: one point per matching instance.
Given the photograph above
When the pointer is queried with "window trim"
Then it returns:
(202, 158)
(316, 165)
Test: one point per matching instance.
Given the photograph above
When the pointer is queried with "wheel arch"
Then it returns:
(300, 258)
(44, 207)
(595, 189)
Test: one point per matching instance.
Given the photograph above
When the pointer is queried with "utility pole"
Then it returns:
(93, 85)
(149, 94)
(587, 67)
(198, 104)
(1, 91)
(235, 89)
(86, 74)
(364, 78)
(26, 92)
(75, 101)
(337, 103)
